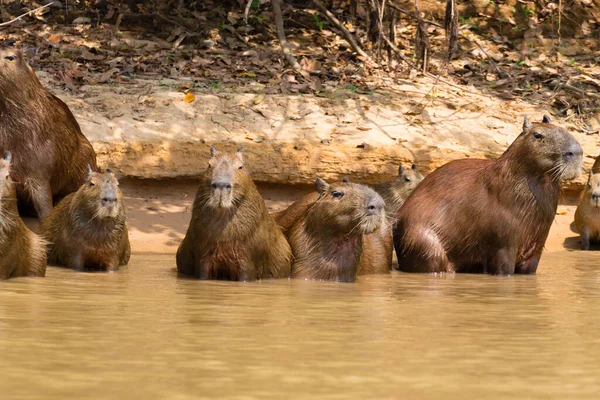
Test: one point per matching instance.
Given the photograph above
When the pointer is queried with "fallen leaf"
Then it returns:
(189, 97)
(363, 128)
(258, 98)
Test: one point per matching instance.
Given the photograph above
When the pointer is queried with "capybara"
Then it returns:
(587, 216)
(490, 216)
(50, 154)
(396, 192)
(22, 252)
(87, 229)
(231, 235)
(326, 229)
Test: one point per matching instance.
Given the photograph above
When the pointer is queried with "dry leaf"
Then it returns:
(189, 97)
(258, 98)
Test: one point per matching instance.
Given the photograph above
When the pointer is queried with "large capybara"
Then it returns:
(587, 216)
(231, 235)
(490, 216)
(395, 192)
(22, 252)
(87, 229)
(50, 154)
(326, 230)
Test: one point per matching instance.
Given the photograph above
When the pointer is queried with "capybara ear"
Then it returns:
(546, 119)
(346, 179)
(526, 124)
(240, 155)
(400, 170)
(321, 186)
(413, 167)
(9, 43)
(90, 171)
(213, 150)
(7, 156)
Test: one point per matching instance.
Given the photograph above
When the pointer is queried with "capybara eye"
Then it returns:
(7, 176)
(337, 195)
(92, 184)
(407, 179)
(241, 166)
(538, 136)
(9, 58)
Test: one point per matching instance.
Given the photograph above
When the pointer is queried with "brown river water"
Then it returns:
(145, 333)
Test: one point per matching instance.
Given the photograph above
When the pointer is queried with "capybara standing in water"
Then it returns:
(326, 230)
(22, 252)
(587, 216)
(396, 192)
(87, 229)
(50, 154)
(231, 235)
(488, 216)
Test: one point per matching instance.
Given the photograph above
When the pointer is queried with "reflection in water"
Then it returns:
(144, 333)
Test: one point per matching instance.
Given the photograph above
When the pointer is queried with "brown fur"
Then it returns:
(22, 252)
(396, 192)
(50, 154)
(326, 233)
(587, 216)
(488, 216)
(87, 229)
(231, 235)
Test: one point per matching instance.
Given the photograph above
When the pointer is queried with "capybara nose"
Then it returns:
(221, 185)
(109, 200)
(595, 196)
(375, 206)
(574, 151)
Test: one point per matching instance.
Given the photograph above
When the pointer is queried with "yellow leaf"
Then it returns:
(189, 97)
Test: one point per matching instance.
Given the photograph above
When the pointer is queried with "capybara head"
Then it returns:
(12, 61)
(546, 148)
(592, 190)
(6, 184)
(347, 207)
(101, 192)
(226, 178)
(407, 179)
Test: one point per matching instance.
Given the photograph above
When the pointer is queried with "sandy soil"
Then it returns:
(158, 213)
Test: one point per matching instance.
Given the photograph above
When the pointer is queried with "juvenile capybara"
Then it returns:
(326, 229)
(22, 252)
(587, 216)
(87, 229)
(490, 216)
(231, 235)
(50, 154)
(396, 192)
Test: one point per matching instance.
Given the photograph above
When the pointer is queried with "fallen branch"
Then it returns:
(276, 5)
(26, 14)
(342, 28)
(501, 73)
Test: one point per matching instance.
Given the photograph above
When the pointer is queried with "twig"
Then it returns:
(554, 84)
(342, 28)
(247, 11)
(26, 14)
(475, 42)
(281, 34)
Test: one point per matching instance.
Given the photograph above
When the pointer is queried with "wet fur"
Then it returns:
(79, 238)
(22, 252)
(50, 154)
(487, 216)
(241, 242)
(332, 251)
(587, 215)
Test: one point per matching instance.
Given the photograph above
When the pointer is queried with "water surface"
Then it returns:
(144, 333)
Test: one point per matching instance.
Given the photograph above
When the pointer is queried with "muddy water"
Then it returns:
(144, 333)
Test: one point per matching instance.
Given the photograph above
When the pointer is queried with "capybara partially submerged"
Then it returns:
(396, 192)
(87, 229)
(326, 229)
(587, 216)
(488, 216)
(50, 154)
(22, 252)
(231, 235)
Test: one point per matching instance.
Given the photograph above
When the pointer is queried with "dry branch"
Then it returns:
(26, 14)
(276, 4)
(342, 28)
